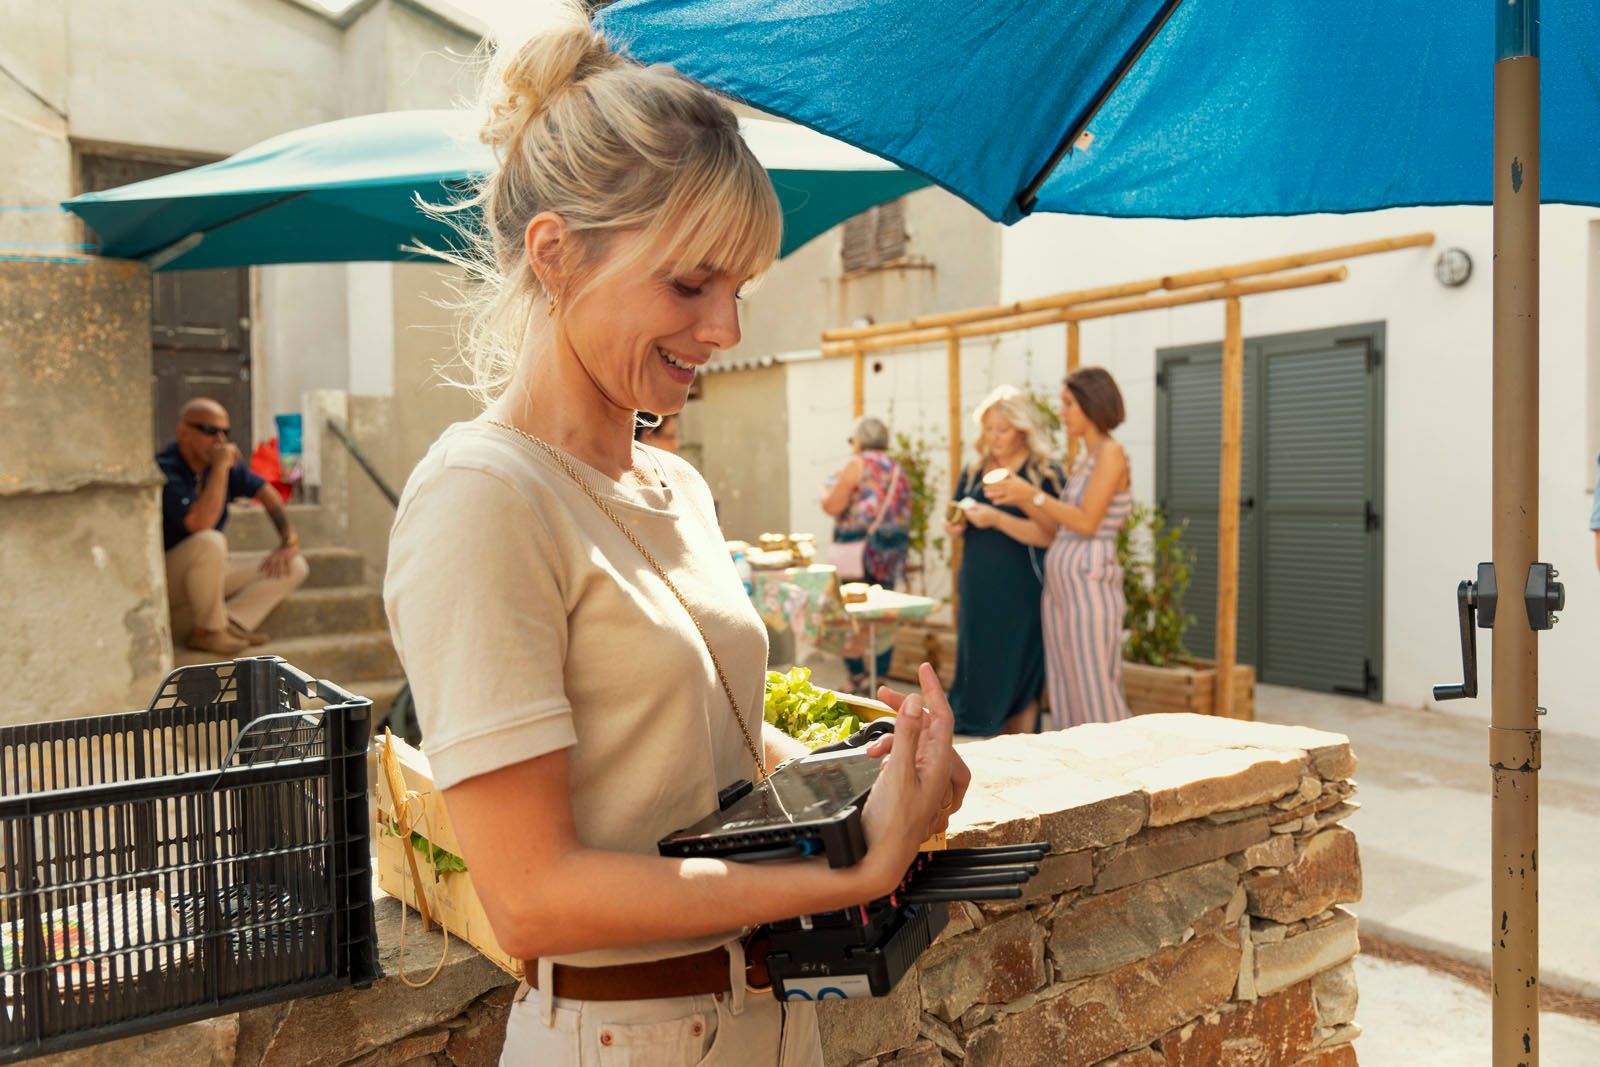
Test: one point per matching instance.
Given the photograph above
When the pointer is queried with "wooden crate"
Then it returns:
(451, 898)
(915, 644)
(1189, 686)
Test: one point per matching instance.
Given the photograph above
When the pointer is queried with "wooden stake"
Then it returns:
(1073, 355)
(397, 800)
(953, 369)
(860, 384)
(1228, 505)
(1231, 272)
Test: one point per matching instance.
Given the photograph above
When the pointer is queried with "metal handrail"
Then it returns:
(355, 450)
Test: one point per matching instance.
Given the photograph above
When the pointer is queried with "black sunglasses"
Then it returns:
(208, 429)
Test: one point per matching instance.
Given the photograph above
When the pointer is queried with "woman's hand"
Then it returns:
(916, 782)
(955, 529)
(983, 516)
(960, 774)
(1012, 491)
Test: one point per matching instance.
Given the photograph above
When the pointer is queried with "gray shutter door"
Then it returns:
(1318, 554)
(1310, 535)
(1190, 445)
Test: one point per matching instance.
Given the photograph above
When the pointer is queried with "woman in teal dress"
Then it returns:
(999, 641)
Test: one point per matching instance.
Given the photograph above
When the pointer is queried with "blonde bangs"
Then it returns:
(722, 216)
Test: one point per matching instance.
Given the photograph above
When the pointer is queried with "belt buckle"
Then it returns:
(755, 954)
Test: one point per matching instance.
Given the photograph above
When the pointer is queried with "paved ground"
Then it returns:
(1424, 835)
(1424, 830)
(1411, 1016)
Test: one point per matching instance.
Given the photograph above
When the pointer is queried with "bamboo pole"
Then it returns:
(1135, 288)
(1514, 738)
(1225, 291)
(1074, 356)
(1228, 506)
(1104, 309)
(859, 384)
(953, 371)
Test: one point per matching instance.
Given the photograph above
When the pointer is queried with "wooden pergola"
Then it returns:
(1228, 284)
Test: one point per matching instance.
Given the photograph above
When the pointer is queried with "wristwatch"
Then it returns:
(290, 540)
(1038, 500)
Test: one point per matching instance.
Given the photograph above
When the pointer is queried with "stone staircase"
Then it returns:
(333, 626)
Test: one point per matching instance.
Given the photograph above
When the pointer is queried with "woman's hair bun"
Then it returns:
(540, 71)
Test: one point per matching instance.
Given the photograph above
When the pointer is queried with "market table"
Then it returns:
(885, 605)
(807, 602)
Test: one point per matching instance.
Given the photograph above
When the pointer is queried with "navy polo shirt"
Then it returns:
(183, 487)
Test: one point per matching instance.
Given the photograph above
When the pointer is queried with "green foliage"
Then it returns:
(443, 862)
(810, 715)
(1049, 416)
(915, 456)
(1155, 574)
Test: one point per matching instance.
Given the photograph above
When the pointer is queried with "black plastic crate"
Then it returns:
(203, 856)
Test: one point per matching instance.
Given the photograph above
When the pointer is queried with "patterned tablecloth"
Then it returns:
(806, 601)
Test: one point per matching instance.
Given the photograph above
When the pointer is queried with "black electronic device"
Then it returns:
(864, 951)
(809, 806)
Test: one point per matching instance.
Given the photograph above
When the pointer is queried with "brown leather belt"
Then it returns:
(679, 976)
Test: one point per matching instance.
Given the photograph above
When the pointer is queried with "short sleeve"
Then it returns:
(242, 481)
(477, 613)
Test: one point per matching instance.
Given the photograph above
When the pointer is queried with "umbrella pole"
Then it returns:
(1514, 734)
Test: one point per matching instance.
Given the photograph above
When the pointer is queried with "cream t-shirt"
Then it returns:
(526, 623)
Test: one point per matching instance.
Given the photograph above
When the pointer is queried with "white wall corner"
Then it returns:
(370, 328)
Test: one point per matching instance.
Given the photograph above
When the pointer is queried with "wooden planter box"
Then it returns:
(916, 643)
(1189, 686)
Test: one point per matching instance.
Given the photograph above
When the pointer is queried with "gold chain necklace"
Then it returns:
(572, 472)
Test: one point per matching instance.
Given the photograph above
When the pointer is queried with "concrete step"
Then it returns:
(347, 660)
(330, 610)
(332, 567)
(249, 529)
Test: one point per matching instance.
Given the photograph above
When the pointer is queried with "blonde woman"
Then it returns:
(585, 663)
(999, 644)
(1083, 601)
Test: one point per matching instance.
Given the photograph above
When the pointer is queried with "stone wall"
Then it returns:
(85, 623)
(1188, 913)
(1188, 916)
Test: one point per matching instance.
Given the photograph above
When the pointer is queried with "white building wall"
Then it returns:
(1436, 399)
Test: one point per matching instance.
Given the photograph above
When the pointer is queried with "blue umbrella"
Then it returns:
(348, 190)
(1147, 107)
(1226, 108)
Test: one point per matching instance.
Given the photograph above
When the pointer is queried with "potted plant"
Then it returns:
(1158, 674)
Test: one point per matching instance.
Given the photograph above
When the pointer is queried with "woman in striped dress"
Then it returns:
(1083, 604)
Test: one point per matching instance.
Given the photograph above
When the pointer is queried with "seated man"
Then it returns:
(226, 600)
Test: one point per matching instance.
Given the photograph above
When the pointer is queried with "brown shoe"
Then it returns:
(253, 637)
(219, 641)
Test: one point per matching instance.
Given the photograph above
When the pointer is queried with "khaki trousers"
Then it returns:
(205, 588)
(734, 1029)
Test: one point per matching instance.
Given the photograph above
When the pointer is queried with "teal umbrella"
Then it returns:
(349, 191)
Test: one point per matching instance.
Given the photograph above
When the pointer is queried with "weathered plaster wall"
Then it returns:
(739, 430)
(84, 628)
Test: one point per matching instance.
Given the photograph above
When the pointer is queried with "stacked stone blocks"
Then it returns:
(1188, 914)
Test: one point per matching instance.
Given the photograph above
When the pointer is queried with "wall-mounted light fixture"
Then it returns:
(1453, 267)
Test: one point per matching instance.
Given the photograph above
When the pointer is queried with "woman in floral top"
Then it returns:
(870, 483)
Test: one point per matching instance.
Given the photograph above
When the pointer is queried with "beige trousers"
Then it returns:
(206, 588)
(734, 1029)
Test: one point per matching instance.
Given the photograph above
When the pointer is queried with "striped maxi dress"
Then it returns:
(1082, 611)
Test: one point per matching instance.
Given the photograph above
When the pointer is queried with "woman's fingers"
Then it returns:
(890, 696)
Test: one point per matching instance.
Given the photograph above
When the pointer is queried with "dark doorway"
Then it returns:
(1311, 501)
(199, 319)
